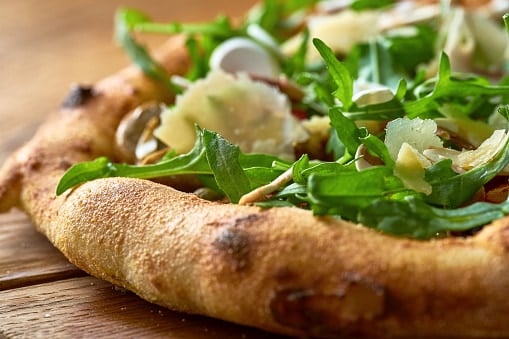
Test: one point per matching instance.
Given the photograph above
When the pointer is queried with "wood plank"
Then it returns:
(87, 307)
(27, 257)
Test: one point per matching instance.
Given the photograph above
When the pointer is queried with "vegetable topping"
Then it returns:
(392, 114)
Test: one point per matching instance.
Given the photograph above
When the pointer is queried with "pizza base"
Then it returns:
(282, 269)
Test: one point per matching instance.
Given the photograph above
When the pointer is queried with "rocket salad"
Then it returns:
(400, 126)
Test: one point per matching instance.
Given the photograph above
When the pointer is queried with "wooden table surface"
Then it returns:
(45, 46)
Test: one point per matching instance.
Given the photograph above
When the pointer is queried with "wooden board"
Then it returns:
(26, 257)
(91, 308)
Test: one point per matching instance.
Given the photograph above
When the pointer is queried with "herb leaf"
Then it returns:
(447, 87)
(339, 73)
(347, 131)
(223, 158)
(193, 162)
(451, 191)
(345, 193)
(125, 21)
(414, 218)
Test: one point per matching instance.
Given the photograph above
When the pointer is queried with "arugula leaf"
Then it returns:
(193, 162)
(223, 158)
(273, 15)
(447, 87)
(340, 74)
(220, 28)
(451, 191)
(125, 21)
(346, 129)
(384, 111)
(407, 52)
(269, 15)
(361, 5)
(199, 63)
(414, 218)
(298, 168)
(346, 193)
(378, 148)
(503, 110)
(381, 66)
(296, 63)
(85, 171)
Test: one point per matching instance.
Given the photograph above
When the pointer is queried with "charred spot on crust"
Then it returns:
(233, 243)
(78, 95)
(329, 312)
(64, 164)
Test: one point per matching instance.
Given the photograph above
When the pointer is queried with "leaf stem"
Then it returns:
(261, 192)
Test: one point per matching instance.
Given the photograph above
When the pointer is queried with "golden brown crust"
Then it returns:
(282, 270)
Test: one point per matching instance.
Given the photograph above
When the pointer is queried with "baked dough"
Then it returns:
(281, 269)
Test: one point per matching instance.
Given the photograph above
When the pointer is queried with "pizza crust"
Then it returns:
(281, 269)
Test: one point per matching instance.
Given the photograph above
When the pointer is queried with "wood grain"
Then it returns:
(26, 257)
(90, 308)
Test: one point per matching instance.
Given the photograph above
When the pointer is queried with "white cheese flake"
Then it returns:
(484, 153)
(340, 31)
(419, 133)
(251, 114)
(410, 168)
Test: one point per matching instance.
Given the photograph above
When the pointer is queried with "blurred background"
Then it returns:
(46, 46)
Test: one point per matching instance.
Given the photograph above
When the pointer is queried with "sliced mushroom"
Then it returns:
(133, 139)
(244, 55)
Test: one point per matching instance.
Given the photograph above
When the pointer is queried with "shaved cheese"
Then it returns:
(251, 114)
(340, 31)
(410, 168)
(419, 133)
(484, 153)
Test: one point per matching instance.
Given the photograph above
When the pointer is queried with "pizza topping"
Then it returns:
(134, 135)
(244, 55)
(250, 114)
(392, 136)
(418, 133)
(354, 26)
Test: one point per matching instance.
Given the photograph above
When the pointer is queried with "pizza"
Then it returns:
(319, 169)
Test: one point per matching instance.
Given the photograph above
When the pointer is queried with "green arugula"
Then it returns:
(234, 173)
(194, 162)
(446, 87)
(451, 190)
(375, 197)
(339, 73)
(223, 160)
(361, 5)
(414, 218)
(125, 22)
